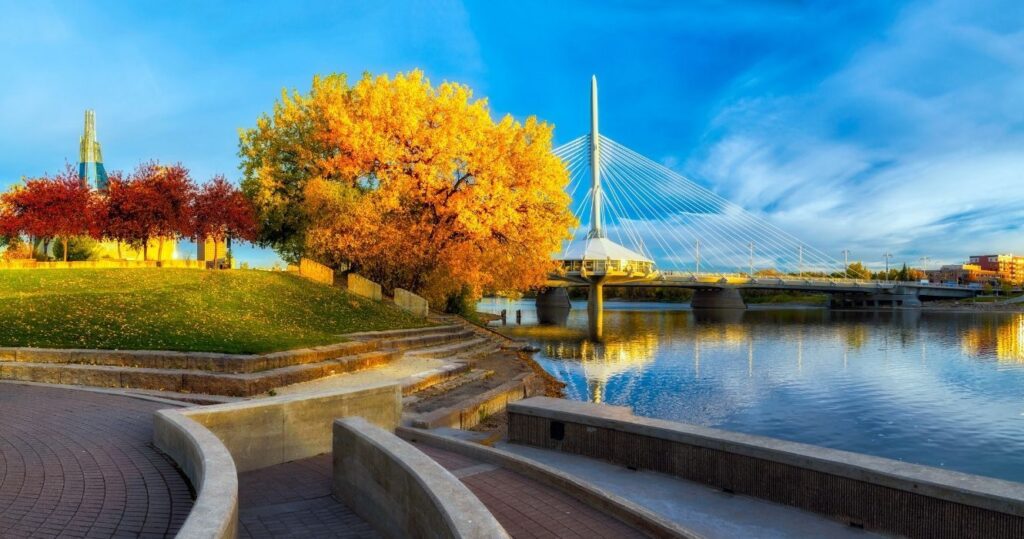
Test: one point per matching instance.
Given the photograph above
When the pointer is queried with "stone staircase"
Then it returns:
(195, 376)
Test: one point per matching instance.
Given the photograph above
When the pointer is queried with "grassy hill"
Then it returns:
(180, 309)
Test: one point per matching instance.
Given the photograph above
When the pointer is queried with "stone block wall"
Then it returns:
(316, 271)
(411, 302)
(361, 286)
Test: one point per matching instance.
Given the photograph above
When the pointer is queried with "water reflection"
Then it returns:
(943, 389)
(996, 338)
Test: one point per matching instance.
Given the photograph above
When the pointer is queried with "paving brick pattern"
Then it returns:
(294, 500)
(81, 464)
(526, 508)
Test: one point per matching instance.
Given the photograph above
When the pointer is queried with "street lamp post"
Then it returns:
(846, 263)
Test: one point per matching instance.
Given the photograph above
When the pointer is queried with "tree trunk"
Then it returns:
(119, 257)
(145, 249)
(215, 254)
(65, 242)
(160, 248)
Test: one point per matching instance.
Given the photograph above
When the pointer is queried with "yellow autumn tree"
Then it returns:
(414, 186)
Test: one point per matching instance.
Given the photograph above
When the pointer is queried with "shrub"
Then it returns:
(79, 248)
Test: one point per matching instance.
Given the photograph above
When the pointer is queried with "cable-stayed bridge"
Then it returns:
(647, 225)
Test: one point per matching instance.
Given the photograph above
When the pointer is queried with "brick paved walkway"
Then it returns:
(294, 500)
(526, 508)
(81, 464)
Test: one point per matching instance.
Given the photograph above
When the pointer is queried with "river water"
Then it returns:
(934, 388)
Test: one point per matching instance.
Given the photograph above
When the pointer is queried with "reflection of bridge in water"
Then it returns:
(616, 370)
(644, 216)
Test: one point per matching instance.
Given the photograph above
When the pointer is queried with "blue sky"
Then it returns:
(871, 126)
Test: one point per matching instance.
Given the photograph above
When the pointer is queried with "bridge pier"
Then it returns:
(717, 298)
(897, 299)
(553, 306)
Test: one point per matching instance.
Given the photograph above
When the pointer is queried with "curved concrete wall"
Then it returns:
(269, 431)
(212, 444)
(210, 468)
(401, 491)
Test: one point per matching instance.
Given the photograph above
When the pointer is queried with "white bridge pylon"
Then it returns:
(646, 211)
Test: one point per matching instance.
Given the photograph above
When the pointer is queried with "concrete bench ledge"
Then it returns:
(209, 467)
(607, 502)
(401, 491)
(877, 493)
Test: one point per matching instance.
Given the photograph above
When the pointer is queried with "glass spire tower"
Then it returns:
(90, 165)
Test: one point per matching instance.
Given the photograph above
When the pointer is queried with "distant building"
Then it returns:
(962, 274)
(213, 252)
(90, 165)
(1009, 268)
(92, 172)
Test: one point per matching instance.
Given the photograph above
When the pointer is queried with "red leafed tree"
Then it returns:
(125, 214)
(60, 207)
(221, 211)
(172, 191)
(154, 202)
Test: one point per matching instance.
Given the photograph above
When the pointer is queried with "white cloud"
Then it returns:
(914, 146)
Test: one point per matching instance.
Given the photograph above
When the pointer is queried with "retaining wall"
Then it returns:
(877, 494)
(101, 264)
(204, 361)
(265, 432)
(361, 286)
(411, 302)
(400, 490)
(316, 271)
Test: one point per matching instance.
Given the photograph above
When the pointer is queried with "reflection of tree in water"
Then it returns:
(998, 337)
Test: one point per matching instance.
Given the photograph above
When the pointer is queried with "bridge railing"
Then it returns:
(743, 278)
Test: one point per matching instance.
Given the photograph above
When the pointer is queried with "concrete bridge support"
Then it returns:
(553, 306)
(717, 298)
(899, 298)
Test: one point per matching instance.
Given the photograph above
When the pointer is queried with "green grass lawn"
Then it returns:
(181, 309)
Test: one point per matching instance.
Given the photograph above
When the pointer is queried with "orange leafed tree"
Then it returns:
(414, 186)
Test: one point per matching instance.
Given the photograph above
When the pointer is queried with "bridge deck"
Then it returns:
(800, 284)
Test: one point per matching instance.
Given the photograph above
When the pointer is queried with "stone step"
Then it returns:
(190, 398)
(487, 347)
(205, 361)
(433, 377)
(443, 386)
(188, 380)
(449, 349)
(398, 333)
(426, 341)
